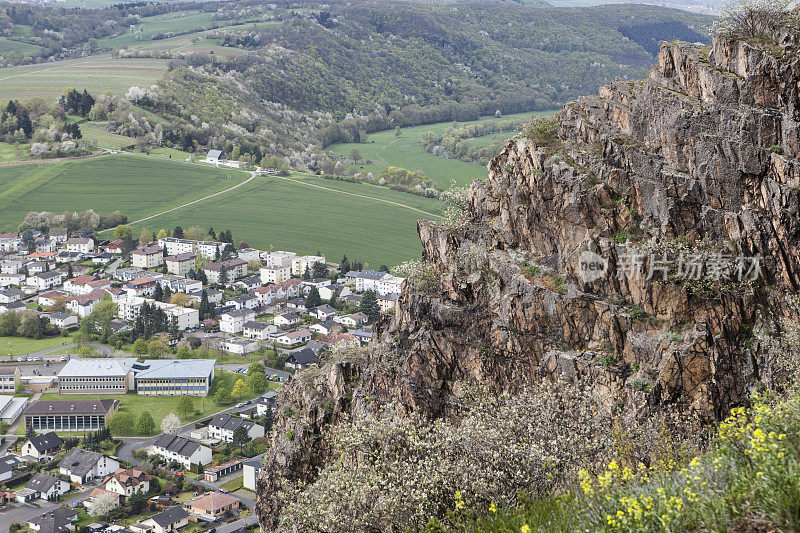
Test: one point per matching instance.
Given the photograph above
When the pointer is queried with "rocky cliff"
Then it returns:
(644, 242)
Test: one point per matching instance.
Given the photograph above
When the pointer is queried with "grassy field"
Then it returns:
(11, 46)
(136, 186)
(16, 346)
(385, 149)
(97, 75)
(300, 216)
(179, 21)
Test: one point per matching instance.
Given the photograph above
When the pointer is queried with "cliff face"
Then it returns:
(696, 165)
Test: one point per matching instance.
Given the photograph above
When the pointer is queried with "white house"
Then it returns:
(250, 471)
(10, 295)
(352, 320)
(286, 319)
(278, 258)
(83, 466)
(79, 244)
(240, 345)
(291, 338)
(63, 320)
(380, 282)
(326, 327)
(223, 426)
(323, 312)
(45, 280)
(42, 445)
(180, 449)
(47, 486)
(234, 268)
(128, 481)
(258, 330)
(234, 321)
(207, 249)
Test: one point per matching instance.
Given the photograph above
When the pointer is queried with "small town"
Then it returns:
(211, 329)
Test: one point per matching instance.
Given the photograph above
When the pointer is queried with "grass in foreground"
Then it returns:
(16, 346)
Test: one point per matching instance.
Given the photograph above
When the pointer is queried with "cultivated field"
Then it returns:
(97, 75)
(299, 216)
(136, 186)
(384, 149)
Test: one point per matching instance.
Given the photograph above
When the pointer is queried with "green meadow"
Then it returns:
(385, 149)
(136, 186)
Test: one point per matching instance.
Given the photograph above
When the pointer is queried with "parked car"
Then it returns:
(223, 490)
(240, 404)
(65, 358)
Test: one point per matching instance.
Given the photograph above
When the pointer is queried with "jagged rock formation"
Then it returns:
(701, 157)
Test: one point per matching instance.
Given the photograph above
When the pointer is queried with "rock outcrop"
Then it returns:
(695, 167)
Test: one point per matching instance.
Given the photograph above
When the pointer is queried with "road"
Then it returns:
(21, 513)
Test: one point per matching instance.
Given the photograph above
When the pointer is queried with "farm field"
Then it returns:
(97, 75)
(136, 186)
(16, 47)
(297, 215)
(384, 149)
(180, 21)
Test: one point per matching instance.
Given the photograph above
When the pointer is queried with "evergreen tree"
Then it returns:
(69, 271)
(320, 270)
(344, 266)
(223, 277)
(369, 305)
(167, 296)
(206, 309)
(158, 295)
(307, 273)
(313, 299)
(177, 232)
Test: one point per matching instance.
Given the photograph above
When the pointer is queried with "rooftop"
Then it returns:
(97, 367)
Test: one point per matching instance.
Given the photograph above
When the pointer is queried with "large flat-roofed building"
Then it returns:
(174, 377)
(92, 376)
(69, 415)
(185, 317)
(207, 249)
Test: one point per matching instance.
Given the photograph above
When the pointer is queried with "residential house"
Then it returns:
(213, 505)
(249, 283)
(58, 234)
(9, 378)
(69, 415)
(380, 282)
(207, 249)
(36, 267)
(178, 284)
(81, 284)
(84, 304)
(180, 264)
(213, 473)
(128, 481)
(326, 327)
(63, 256)
(148, 257)
(42, 445)
(222, 427)
(17, 280)
(144, 286)
(128, 274)
(96, 376)
(279, 291)
(265, 402)
(174, 377)
(10, 242)
(275, 274)
(47, 486)
(248, 254)
(278, 259)
(44, 281)
(59, 519)
(387, 302)
(176, 448)
(233, 321)
(214, 296)
(326, 292)
(168, 520)
(10, 467)
(99, 493)
(250, 471)
(363, 336)
(80, 245)
(185, 317)
(301, 359)
(316, 283)
(245, 301)
(306, 262)
(10, 295)
(13, 306)
(294, 338)
(63, 320)
(213, 157)
(298, 304)
(323, 312)
(240, 345)
(114, 247)
(234, 268)
(353, 320)
(83, 465)
(286, 319)
(258, 330)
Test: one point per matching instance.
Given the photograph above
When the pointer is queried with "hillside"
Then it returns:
(624, 278)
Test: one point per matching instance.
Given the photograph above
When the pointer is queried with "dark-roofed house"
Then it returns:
(183, 450)
(171, 519)
(47, 486)
(9, 467)
(70, 415)
(42, 445)
(222, 427)
(59, 519)
(84, 465)
(300, 359)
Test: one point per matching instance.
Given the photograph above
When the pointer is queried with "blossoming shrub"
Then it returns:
(397, 474)
(749, 479)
